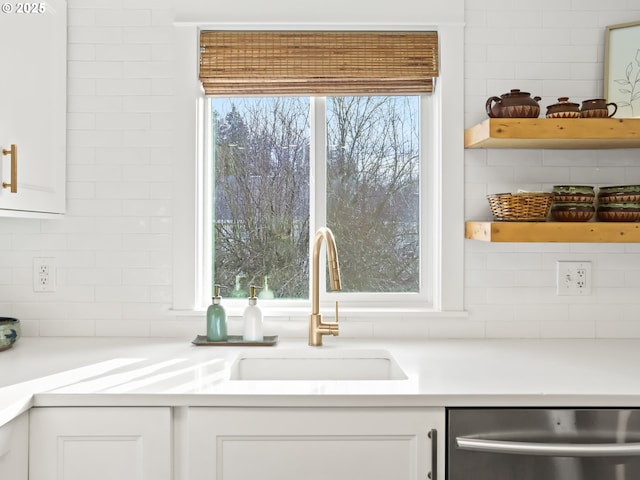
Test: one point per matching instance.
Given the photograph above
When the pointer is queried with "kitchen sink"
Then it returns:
(317, 365)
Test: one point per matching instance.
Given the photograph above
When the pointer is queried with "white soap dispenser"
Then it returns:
(252, 318)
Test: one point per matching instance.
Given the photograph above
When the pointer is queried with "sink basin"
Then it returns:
(317, 365)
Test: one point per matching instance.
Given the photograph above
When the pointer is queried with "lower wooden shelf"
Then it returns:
(574, 232)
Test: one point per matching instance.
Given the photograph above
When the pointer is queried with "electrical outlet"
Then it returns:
(574, 278)
(44, 274)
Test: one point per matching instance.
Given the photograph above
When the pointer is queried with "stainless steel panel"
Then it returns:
(543, 444)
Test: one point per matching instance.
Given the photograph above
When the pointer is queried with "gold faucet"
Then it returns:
(318, 328)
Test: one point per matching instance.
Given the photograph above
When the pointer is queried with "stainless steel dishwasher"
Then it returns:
(543, 444)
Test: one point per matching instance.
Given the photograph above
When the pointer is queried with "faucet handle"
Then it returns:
(334, 327)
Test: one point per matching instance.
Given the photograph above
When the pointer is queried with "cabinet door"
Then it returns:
(33, 105)
(311, 443)
(14, 449)
(124, 443)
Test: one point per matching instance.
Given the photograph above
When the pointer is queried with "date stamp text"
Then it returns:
(28, 8)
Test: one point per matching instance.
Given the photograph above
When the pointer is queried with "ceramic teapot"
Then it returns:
(515, 104)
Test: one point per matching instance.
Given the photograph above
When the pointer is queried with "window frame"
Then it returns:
(444, 210)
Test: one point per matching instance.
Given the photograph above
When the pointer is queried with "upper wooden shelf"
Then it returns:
(575, 232)
(554, 133)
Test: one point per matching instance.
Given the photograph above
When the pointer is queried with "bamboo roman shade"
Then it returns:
(317, 63)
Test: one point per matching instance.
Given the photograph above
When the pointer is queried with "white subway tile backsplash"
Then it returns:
(565, 55)
(158, 34)
(94, 35)
(123, 18)
(122, 157)
(91, 104)
(146, 276)
(119, 121)
(513, 329)
(114, 246)
(539, 312)
(67, 328)
(148, 103)
(122, 293)
(81, 121)
(540, 71)
(123, 86)
(110, 327)
(95, 311)
(97, 207)
(567, 329)
(612, 328)
(123, 53)
(571, 53)
(146, 138)
(81, 17)
(596, 312)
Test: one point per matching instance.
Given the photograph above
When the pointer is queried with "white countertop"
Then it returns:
(149, 371)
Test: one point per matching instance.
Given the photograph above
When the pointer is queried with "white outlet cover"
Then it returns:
(44, 274)
(573, 278)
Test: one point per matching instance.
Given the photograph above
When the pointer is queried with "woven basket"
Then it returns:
(520, 207)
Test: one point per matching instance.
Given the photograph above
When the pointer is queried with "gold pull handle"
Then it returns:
(14, 168)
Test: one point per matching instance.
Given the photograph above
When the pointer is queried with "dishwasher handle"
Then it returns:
(549, 449)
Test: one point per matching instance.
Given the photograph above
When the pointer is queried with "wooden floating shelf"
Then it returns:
(554, 133)
(575, 232)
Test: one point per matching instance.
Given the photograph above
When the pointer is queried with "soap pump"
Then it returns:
(266, 293)
(238, 292)
(216, 318)
(252, 318)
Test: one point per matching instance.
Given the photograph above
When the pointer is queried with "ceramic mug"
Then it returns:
(597, 108)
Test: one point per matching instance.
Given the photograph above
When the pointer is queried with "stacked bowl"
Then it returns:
(619, 204)
(9, 332)
(573, 203)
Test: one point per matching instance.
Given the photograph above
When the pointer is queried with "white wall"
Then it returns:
(551, 48)
(114, 248)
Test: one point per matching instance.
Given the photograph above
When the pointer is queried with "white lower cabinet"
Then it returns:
(314, 443)
(14, 448)
(100, 443)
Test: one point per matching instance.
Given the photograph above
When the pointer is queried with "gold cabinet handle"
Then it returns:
(14, 168)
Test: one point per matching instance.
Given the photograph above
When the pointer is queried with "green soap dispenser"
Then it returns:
(216, 318)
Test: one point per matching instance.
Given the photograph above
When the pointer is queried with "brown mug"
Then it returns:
(597, 108)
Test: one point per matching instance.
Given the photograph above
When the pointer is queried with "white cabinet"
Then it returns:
(100, 443)
(313, 443)
(14, 448)
(33, 107)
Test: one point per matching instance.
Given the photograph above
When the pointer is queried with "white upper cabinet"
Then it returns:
(33, 65)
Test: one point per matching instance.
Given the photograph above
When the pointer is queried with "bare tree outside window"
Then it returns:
(261, 224)
(373, 191)
(261, 201)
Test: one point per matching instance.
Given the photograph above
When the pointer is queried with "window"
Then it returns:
(441, 121)
(364, 154)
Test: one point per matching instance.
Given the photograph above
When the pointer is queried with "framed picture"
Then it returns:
(622, 68)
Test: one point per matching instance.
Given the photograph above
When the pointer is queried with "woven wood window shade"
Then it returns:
(317, 63)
